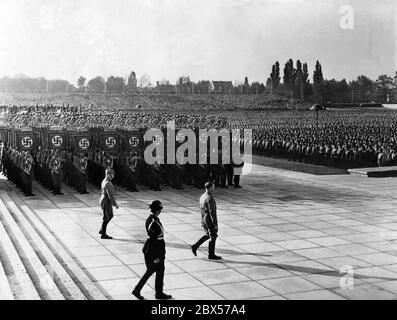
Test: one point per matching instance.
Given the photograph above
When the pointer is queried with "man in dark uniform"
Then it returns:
(28, 164)
(154, 176)
(131, 165)
(154, 252)
(209, 222)
(237, 171)
(140, 167)
(48, 155)
(107, 161)
(98, 168)
(82, 173)
(55, 167)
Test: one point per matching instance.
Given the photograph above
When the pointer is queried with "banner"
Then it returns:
(96, 137)
(26, 140)
(56, 140)
(82, 142)
(110, 140)
(134, 140)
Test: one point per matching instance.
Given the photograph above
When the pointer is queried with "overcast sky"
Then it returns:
(205, 39)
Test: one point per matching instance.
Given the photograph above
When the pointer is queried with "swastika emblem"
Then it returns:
(57, 141)
(203, 138)
(84, 143)
(134, 141)
(27, 142)
(180, 137)
(110, 142)
(157, 140)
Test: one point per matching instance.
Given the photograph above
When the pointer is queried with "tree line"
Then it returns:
(296, 84)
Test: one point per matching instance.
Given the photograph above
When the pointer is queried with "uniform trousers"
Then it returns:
(107, 209)
(153, 267)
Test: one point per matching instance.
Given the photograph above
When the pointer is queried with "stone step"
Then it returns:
(390, 171)
(40, 275)
(18, 278)
(62, 279)
(63, 255)
(5, 289)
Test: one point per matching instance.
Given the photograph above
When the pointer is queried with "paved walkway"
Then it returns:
(284, 235)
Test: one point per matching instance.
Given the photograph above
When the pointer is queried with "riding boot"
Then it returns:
(211, 250)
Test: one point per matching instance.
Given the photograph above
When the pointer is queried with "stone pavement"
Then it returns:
(284, 235)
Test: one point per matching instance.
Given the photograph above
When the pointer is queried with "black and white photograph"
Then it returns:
(203, 152)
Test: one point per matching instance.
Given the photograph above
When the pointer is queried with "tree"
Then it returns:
(60, 86)
(184, 85)
(289, 73)
(246, 85)
(257, 88)
(25, 84)
(204, 86)
(269, 84)
(115, 84)
(289, 77)
(238, 86)
(395, 83)
(144, 81)
(182, 80)
(384, 87)
(335, 91)
(81, 82)
(164, 82)
(96, 84)
(302, 76)
(318, 80)
(275, 75)
(363, 89)
(164, 86)
(132, 82)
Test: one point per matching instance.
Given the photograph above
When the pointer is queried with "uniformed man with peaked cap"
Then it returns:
(154, 252)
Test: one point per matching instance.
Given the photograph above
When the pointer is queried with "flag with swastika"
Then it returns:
(134, 140)
(110, 141)
(83, 143)
(56, 140)
(26, 141)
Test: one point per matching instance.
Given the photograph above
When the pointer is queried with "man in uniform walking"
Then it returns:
(209, 221)
(107, 202)
(154, 252)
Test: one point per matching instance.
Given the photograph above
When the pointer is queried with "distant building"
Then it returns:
(222, 87)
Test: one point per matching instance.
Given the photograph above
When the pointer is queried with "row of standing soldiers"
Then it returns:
(17, 167)
(51, 167)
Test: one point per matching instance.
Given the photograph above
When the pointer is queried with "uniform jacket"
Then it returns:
(208, 211)
(107, 192)
(154, 247)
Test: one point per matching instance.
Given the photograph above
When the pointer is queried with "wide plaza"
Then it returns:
(284, 235)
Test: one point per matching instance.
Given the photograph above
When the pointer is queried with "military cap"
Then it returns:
(208, 185)
(156, 205)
